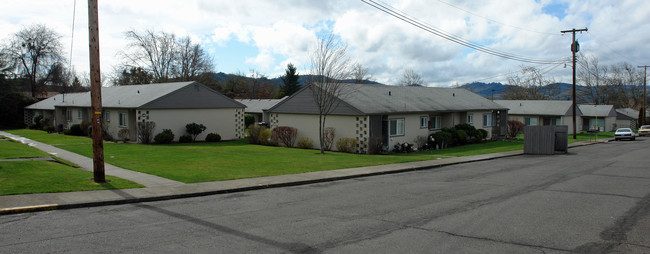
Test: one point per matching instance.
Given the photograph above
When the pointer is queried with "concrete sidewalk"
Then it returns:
(168, 189)
(87, 163)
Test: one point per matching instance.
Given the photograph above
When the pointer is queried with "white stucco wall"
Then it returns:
(307, 125)
(411, 129)
(224, 121)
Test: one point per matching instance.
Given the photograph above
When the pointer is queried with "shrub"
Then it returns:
(441, 139)
(123, 134)
(49, 129)
(76, 130)
(248, 119)
(165, 137)
(376, 146)
(265, 137)
(286, 135)
(462, 136)
(185, 139)
(481, 134)
(514, 128)
(470, 130)
(85, 128)
(454, 136)
(145, 131)
(213, 137)
(32, 126)
(194, 129)
(67, 132)
(347, 145)
(328, 138)
(305, 143)
(420, 142)
(254, 131)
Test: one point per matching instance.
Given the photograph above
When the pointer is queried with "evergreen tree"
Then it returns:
(290, 80)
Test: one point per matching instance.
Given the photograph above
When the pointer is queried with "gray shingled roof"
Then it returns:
(162, 95)
(597, 110)
(381, 99)
(539, 107)
(259, 105)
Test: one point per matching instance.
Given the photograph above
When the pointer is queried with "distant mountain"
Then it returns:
(222, 77)
(562, 91)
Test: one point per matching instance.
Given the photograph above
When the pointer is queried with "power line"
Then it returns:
(496, 21)
(74, 12)
(404, 17)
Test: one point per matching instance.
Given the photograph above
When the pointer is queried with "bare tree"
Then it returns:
(360, 74)
(35, 53)
(192, 60)
(531, 85)
(594, 77)
(411, 78)
(330, 66)
(164, 57)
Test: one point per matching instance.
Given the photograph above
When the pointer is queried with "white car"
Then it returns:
(624, 133)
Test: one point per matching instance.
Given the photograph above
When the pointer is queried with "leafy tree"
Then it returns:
(290, 80)
(35, 54)
(410, 78)
(133, 76)
(194, 129)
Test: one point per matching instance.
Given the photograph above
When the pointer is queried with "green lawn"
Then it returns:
(202, 162)
(579, 136)
(12, 150)
(474, 149)
(50, 138)
(22, 177)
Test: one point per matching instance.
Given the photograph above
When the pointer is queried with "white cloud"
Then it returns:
(283, 31)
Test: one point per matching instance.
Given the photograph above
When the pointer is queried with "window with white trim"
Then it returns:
(487, 120)
(470, 118)
(424, 122)
(79, 114)
(396, 127)
(435, 122)
(122, 119)
(107, 116)
(68, 115)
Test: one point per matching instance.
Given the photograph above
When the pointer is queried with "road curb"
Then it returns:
(131, 200)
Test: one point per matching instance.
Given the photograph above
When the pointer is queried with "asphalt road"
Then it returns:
(595, 199)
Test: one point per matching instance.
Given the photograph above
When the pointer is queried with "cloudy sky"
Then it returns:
(264, 36)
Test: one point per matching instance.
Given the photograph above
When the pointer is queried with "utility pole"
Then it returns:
(575, 47)
(95, 93)
(645, 68)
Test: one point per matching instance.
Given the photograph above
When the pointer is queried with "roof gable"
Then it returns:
(598, 110)
(302, 102)
(193, 95)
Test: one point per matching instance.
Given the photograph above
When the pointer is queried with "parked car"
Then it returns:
(644, 130)
(624, 133)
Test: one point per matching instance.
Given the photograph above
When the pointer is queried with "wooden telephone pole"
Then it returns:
(95, 93)
(575, 47)
(645, 68)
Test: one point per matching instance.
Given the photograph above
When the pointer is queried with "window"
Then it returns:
(532, 121)
(122, 119)
(396, 127)
(107, 116)
(68, 115)
(424, 122)
(470, 118)
(79, 114)
(487, 119)
(435, 122)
